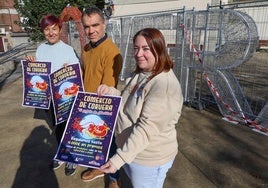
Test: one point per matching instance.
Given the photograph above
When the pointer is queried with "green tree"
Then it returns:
(32, 11)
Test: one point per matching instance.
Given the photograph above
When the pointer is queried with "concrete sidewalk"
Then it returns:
(212, 152)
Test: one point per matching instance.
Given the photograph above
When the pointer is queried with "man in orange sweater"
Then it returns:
(102, 64)
(101, 58)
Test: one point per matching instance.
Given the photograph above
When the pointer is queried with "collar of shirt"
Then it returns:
(99, 41)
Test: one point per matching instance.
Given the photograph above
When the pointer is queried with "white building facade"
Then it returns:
(130, 7)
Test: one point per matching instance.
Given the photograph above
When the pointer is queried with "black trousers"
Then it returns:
(59, 128)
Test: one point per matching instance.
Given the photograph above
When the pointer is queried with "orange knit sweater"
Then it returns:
(101, 65)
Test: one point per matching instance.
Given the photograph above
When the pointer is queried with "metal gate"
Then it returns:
(209, 48)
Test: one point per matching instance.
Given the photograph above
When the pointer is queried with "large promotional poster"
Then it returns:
(65, 83)
(89, 130)
(36, 89)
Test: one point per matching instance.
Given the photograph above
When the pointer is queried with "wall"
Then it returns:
(128, 7)
(8, 15)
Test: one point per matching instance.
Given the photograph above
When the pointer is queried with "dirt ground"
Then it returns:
(212, 152)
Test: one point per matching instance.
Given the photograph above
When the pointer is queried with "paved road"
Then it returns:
(212, 152)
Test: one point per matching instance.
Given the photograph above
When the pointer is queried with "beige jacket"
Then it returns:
(145, 131)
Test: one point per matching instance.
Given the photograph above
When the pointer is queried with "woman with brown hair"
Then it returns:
(151, 106)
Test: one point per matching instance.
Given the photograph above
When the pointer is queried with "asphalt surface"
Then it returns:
(212, 152)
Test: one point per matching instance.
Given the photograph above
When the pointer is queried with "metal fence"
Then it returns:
(220, 55)
(215, 56)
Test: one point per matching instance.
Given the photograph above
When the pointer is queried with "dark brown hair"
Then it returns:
(50, 19)
(93, 10)
(156, 43)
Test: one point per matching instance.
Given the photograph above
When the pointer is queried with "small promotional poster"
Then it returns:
(89, 130)
(64, 85)
(36, 89)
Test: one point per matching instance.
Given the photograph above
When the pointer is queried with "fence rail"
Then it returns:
(219, 43)
(220, 56)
